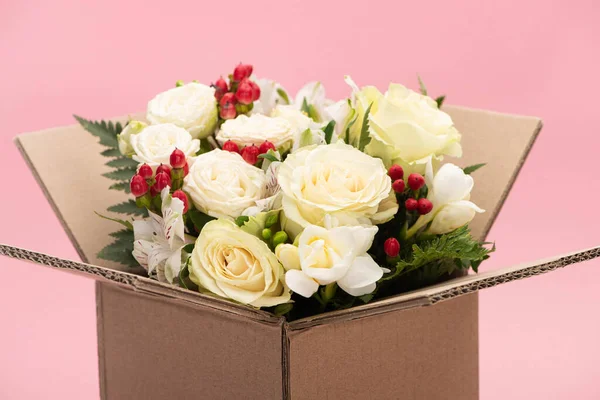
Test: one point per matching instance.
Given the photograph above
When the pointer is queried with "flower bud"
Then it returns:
(244, 93)
(398, 186)
(177, 159)
(279, 237)
(425, 206)
(163, 168)
(272, 220)
(266, 234)
(179, 194)
(415, 181)
(145, 171)
(396, 172)
(255, 90)
(250, 154)
(179, 83)
(162, 181)
(242, 71)
(231, 146)
(138, 185)
(265, 147)
(411, 204)
(391, 247)
(220, 88)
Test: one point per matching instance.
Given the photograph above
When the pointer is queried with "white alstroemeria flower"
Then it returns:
(449, 192)
(325, 256)
(314, 95)
(272, 200)
(271, 95)
(158, 241)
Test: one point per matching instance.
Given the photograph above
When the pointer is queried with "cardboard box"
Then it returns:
(157, 341)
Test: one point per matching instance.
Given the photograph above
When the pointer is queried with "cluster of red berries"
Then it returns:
(249, 153)
(146, 184)
(238, 96)
(423, 206)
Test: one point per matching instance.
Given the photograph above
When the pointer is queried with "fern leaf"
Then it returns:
(128, 207)
(105, 131)
(122, 162)
(122, 175)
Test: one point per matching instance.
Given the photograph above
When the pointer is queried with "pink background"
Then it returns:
(539, 338)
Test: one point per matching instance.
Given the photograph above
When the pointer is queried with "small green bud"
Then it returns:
(179, 83)
(272, 220)
(267, 234)
(279, 237)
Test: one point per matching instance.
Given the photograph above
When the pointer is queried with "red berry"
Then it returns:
(227, 104)
(250, 154)
(265, 147)
(138, 185)
(255, 90)
(416, 181)
(231, 146)
(398, 186)
(396, 172)
(244, 93)
(179, 194)
(163, 168)
(186, 169)
(162, 181)
(177, 159)
(227, 98)
(391, 247)
(242, 71)
(220, 88)
(145, 171)
(411, 204)
(425, 206)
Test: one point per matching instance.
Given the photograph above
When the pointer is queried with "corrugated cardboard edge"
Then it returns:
(100, 336)
(56, 210)
(140, 284)
(449, 290)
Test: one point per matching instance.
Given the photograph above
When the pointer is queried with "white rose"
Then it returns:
(255, 129)
(327, 256)
(221, 184)
(449, 192)
(236, 265)
(155, 143)
(124, 138)
(192, 106)
(406, 127)
(336, 182)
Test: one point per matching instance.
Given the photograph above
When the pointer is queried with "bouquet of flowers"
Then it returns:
(296, 204)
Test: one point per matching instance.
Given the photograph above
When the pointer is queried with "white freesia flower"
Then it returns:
(192, 106)
(255, 129)
(221, 184)
(333, 181)
(271, 94)
(124, 138)
(155, 143)
(236, 265)
(158, 241)
(326, 256)
(449, 192)
(406, 127)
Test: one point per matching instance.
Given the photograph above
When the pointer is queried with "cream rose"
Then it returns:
(221, 184)
(255, 129)
(335, 183)
(192, 106)
(406, 127)
(236, 265)
(124, 138)
(154, 144)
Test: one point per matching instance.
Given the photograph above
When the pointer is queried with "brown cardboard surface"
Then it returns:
(425, 353)
(154, 348)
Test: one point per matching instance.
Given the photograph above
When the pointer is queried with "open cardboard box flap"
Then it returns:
(502, 141)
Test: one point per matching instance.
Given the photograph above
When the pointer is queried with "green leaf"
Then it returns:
(122, 162)
(472, 168)
(440, 100)
(305, 108)
(126, 224)
(241, 220)
(205, 147)
(123, 233)
(124, 186)
(188, 248)
(283, 309)
(328, 130)
(283, 94)
(184, 273)
(105, 131)
(422, 87)
(364, 130)
(123, 174)
(199, 219)
(128, 207)
(268, 156)
(111, 153)
(366, 297)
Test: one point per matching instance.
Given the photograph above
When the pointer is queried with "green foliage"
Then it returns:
(422, 87)
(105, 131)
(124, 186)
(121, 175)
(364, 130)
(199, 219)
(283, 94)
(440, 100)
(472, 168)
(128, 207)
(111, 153)
(123, 162)
(126, 224)
(268, 156)
(328, 130)
(120, 250)
(283, 309)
